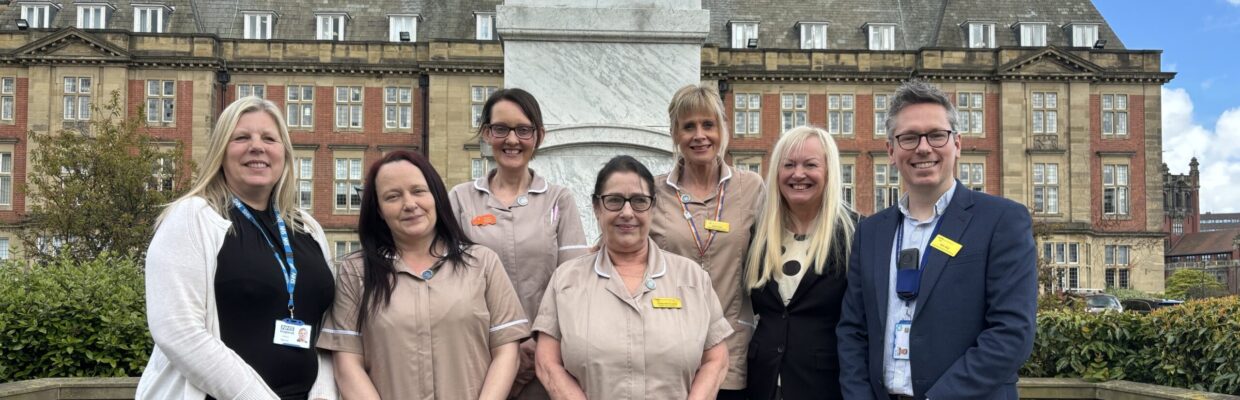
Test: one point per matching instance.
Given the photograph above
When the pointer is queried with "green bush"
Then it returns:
(1192, 346)
(70, 318)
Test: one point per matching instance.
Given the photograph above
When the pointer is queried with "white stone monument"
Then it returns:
(603, 72)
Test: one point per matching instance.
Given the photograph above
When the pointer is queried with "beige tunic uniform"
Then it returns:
(434, 338)
(620, 346)
(724, 259)
(531, 238)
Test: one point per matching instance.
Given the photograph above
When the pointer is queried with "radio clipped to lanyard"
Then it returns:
(909, 263)
(289, 331)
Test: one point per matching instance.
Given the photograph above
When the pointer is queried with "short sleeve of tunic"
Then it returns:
(508, 321)
(340, 330)
(547, 322)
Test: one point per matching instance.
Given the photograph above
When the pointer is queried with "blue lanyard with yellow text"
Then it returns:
(287, 267)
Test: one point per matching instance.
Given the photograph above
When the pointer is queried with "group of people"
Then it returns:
(705, 282)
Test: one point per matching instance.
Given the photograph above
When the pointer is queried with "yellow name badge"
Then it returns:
(945, 245)
(666, 302)
(718, 226)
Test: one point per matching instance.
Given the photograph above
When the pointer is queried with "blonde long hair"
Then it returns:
(833, 216)
(691, 99)
(209, 183)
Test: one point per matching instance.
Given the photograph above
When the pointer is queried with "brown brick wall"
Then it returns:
(17, 131)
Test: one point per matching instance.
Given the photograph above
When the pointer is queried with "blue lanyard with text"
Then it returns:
(287, 267)
(900, 238)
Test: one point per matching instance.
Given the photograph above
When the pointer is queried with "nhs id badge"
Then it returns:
(292, 333)
(899, 345)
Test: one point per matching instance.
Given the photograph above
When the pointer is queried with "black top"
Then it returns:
(794, 346)
(251, 296)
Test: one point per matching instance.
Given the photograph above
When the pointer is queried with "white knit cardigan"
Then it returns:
(189, 360)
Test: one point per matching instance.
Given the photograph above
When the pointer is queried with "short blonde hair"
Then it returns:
(209, 181)
(834, 216)
(692, 99)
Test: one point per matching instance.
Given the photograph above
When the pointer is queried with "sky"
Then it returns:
(1200, 40)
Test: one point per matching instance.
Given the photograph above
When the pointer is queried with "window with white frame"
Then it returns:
(348, 184)
(882, 36)
(751, 163)
(1045, 112)
(77, 98)
(406, 24)
(981, 35)
(1116, 259)
(747, 114)
(880, 115)
(969, 110)
(160, 100)
(4, 249)
(1114, 115)
(300, 106)
(477, 168)
(1032, 34)
(846, 179)
(8, 102)
(92, 16)
(1115, 189)
(346, 247)
(348, 106)
(397, 107)
(1084, 35)
(37, 15)
(148, 19)
(1065, 258)
(478, 96)
(886, 186)
(813, 35)
(6, 178)
(1046, 188)
(973, 176)
(484, 26)
(305, 183)
(742, 32)
(329, 26)
(245, 90)
(161, 175)
(840, 114)
(792, 109)
(257, 25)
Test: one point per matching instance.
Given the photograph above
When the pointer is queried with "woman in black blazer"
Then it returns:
(796, 271)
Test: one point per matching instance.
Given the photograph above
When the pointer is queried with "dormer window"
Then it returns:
(38, 14)
(484, 26)
(813, 35)
(402, 28)
(981, 35)
(882, 36)
(148, 18)
(330, 26)
(744, 34)
(1032, 34)
(93, 16)
(1084, 35)
(257, 24)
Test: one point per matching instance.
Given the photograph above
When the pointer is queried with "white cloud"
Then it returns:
(1234, 2)
(1217, 150)
(1207, 84)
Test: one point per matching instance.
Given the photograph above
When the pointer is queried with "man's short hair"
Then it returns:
(917, 91)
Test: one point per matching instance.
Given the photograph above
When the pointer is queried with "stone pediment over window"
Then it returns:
(1050, 62)
(71, 45)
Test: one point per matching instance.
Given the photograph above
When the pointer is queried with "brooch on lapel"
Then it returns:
(483, 220)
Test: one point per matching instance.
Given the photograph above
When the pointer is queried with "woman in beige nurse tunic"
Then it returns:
(630, 321)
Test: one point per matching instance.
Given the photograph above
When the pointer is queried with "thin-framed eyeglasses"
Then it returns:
(615, 202)
(936, 138)
(501, 131)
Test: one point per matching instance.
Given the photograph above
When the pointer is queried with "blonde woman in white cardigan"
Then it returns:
(236, 272)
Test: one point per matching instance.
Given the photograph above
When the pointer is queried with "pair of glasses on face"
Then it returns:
(615, 202)
(502, 131)
(936, 138)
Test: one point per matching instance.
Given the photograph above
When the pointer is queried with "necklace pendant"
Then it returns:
(522, 200)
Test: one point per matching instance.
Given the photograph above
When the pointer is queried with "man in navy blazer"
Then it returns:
(942, 288)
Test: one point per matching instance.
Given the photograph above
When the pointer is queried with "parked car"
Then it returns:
(1102, 302)
(1145, 306)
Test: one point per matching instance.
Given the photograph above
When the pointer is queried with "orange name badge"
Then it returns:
(483, 220)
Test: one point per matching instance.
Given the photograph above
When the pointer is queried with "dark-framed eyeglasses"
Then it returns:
(615, 202)
(501, 131)
(936, 138)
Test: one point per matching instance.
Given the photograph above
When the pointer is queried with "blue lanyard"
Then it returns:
(287, 267)
(933, 233)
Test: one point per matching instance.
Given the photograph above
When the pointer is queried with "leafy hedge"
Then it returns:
(1195, 345)
(72, 318)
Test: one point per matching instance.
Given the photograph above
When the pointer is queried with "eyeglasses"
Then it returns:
(501, 131)
(615, 202)
(936, 138)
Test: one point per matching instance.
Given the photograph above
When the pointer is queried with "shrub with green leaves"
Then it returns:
(71, 318)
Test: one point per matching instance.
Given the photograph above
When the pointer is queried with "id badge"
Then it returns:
(899, 350)
(292, 333)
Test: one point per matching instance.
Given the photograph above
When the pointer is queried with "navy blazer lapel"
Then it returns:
(883, 240)
(955, 220)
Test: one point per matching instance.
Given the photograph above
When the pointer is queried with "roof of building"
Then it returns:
(919, 23)
(1206, 243)
(1219, 216)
